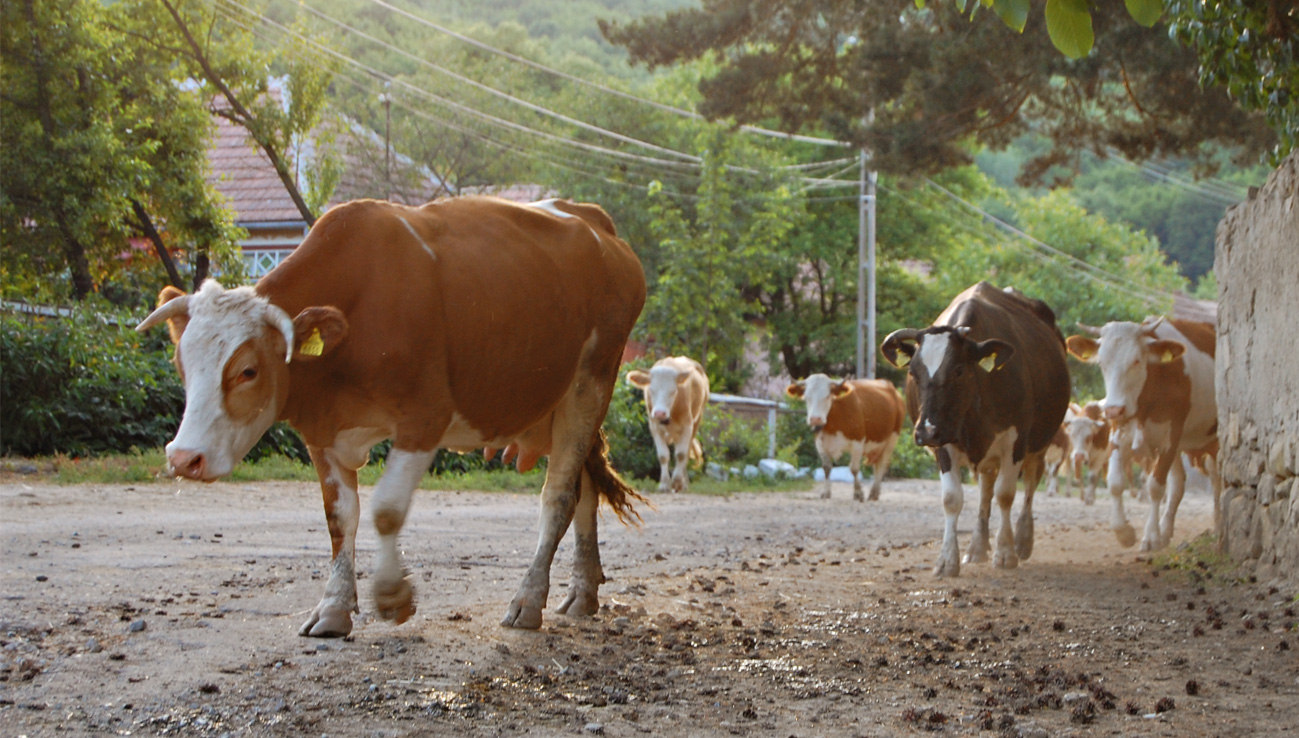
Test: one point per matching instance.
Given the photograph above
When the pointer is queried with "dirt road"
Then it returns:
(172, 609)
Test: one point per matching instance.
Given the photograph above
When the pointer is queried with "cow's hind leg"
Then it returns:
(1032, 470)
(583, 592)
(332, 617)
(979, 548)
(394, 597)
(881, 466)
(576, 422)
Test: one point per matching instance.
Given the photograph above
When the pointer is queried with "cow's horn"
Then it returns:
(1150, 327)
(170, 309)
(280, 321)
(1089, 329)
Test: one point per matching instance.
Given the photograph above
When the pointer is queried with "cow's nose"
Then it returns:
(185, 463)
(816, 423)
(661, 416)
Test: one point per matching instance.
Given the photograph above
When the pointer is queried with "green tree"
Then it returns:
(102, 143)
(913, 86)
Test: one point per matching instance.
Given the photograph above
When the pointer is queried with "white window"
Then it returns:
(258, 263)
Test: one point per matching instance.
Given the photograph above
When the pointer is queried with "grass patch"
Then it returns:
(135, 468)
(1198, 561)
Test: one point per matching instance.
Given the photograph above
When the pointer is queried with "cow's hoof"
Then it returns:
(395, 601)
(1149, 544)
(664, 489)
(522, 617)
(678, 485)
(825, 495)
(874, 495)
(327, 623)
(947, 568)
(1024, 549)
(1005, 560)
(1126, 535)
(858, 495)
(579, 603)
(977, 554)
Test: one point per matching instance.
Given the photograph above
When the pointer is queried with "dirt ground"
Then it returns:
(172, 609)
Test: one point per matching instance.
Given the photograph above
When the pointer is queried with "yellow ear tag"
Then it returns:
(313, 346)
(988, 362)
(903, 360)
(1167, 357)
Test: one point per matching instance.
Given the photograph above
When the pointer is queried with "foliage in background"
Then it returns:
(1250, 47)
(83, 385)
(102, 143)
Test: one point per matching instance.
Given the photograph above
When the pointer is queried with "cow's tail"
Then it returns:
(616, 493)
(696, 453)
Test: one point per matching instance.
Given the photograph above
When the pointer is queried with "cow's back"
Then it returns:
(1031, 390)
(471, 306)
(873, 411)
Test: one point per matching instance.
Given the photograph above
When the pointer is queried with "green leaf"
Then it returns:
(1145, 12)
(961, 5)
(920, 4)
(1069, 22)
(1013, 13)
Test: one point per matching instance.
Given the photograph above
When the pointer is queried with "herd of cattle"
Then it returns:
(476, 323)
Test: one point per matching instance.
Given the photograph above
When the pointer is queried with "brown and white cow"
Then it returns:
(1089, 438)
(861, 416)
(1158, 382)
(987, 386)
(676, 391)
(460, 324)
(1057, 453)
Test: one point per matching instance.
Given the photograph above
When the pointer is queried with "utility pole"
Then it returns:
(866, 324)
(386, 99)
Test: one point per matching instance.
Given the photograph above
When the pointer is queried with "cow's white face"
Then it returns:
(818, 391)
(1124, 352)
(1081, 430)
(660, 384)
(231, 353)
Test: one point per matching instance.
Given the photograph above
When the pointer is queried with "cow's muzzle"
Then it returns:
(927, 434)
(188, 464)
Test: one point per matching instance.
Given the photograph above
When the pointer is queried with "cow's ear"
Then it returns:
(900, 347)
(638, 378)
(682, 377)
(840, 389)
(795, 389)
(317, 331)
(1166, 351)
(1082, 348)
(177, 319)
(993, 354)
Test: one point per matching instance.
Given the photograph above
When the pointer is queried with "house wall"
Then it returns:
(1257, 265)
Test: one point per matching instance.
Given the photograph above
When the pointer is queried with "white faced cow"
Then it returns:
(987, 386)
(861, 416)
(1159, 380)
(676, 391)
(464, 323)
(1089, 440)
(1057, 453)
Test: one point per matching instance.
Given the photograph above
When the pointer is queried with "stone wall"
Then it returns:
(1257, 265)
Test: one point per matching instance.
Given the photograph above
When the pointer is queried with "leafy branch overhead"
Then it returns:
(916, 85)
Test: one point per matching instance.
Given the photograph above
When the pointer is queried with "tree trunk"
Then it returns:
(146, 225)
(201, 267)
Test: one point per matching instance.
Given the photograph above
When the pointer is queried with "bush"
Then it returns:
(626, 425)
(86, 384)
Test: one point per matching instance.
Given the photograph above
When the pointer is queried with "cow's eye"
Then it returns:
(249, 374)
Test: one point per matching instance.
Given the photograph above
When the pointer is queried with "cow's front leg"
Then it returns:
(394, 597)
(332, 618)
(1032, 470)
(827, 465)
(583, 592)
(665, 457)
(1115, 478)
(949, 558)
(680, 478)
(854, 460)
(979, 547)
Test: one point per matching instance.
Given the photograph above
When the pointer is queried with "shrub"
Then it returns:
(626, 425)
(84, 385)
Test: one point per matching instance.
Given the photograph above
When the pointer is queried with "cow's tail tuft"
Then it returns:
(617, 493)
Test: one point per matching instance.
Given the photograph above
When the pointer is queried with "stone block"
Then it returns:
(1278, 458)
(1266, 489)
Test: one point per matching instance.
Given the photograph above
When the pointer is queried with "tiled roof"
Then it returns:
(246, 177)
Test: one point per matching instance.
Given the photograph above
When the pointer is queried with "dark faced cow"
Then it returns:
(461, 324)
(860, 416)
(1159, 392)
(987, 386)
